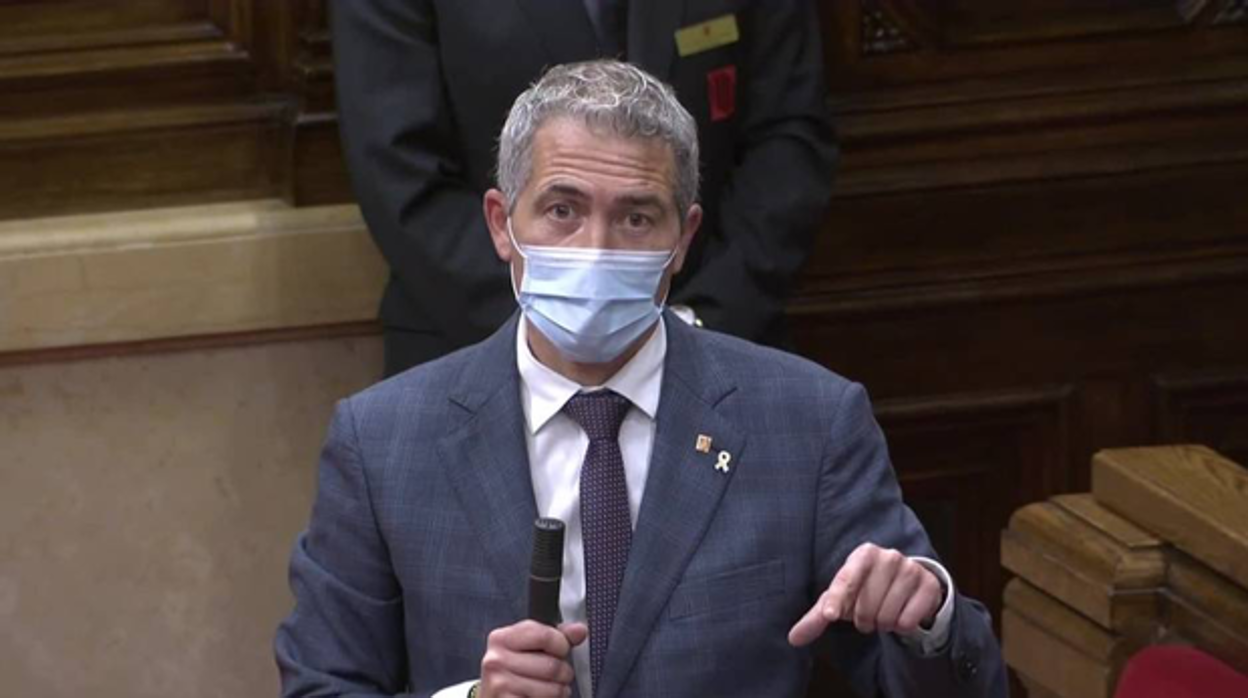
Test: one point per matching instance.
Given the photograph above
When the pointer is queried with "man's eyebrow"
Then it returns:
(640, 200)
(560, 189)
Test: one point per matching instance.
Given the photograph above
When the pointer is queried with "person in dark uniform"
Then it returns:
(424, 87)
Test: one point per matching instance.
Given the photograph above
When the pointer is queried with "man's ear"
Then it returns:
(494, 206)
(693, 220)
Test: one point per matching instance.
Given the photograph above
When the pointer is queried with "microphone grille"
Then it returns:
(547, 548)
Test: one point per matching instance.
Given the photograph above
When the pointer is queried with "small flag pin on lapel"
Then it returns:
(704, 444)
(721, 464)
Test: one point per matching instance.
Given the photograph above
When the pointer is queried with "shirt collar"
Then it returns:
(543, 392)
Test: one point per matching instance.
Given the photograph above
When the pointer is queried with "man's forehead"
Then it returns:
(566, 151)
(657, 196)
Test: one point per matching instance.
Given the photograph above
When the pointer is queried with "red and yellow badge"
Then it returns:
(707, 35)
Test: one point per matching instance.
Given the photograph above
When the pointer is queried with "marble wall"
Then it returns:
(148, 503)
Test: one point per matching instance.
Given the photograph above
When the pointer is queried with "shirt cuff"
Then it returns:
(933, 640)
(459, 690)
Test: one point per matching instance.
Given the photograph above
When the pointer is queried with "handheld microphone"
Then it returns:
(545, 571)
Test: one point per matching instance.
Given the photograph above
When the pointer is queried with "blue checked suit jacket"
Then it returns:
(418, 544)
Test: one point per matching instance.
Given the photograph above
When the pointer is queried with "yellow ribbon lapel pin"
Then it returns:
(703, 445)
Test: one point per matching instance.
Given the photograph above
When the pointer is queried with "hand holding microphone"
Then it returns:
(531, 658)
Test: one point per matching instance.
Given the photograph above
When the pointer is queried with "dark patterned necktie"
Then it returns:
(605, 523)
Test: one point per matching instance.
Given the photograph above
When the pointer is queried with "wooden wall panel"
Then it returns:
(314, 153)
(1204, 408)
(965, 463)
(219, 154)
(1037, 194)
(161, 102)
(40, 23)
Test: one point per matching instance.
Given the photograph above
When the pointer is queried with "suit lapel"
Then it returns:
(683, 491)
(487, 461)
(563, 28)
(652, 26)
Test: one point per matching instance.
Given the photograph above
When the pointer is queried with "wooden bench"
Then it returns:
(1156, 553)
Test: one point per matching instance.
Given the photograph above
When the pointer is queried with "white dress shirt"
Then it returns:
(556, 448)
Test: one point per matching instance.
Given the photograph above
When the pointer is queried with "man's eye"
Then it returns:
(638, 220)
(561, 211)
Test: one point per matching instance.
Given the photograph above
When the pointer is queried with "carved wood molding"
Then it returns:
(967, 137)
(1039, 281)
(881, 32)
(161, 103)
(202, 342)
(972, 408)
(183, 33)
(964, 462)
(898, 26)
(313, 162)
(40, 42)
(1004, 105)
(972, 432)
(104, 124)
(958, 96)
(204, 270)
(1203, 407)
(1038, 415)
(119, 64)
(313, 61)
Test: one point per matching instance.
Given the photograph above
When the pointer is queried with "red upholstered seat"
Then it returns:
(1164, 671)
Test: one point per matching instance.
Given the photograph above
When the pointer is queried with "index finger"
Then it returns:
(810, 626)
(845, 586)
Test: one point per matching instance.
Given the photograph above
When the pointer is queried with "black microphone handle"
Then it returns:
(546, 571)
(544, 601)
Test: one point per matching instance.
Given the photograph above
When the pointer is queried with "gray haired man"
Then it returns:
(727, 504)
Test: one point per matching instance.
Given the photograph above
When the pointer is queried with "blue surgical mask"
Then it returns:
(592, 304)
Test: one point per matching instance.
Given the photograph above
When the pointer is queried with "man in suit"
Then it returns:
(731, 508)
(424, 85)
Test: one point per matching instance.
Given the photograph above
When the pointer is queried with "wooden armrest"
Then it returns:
(1096, 562)
(1157, 553)
(1189, 495)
